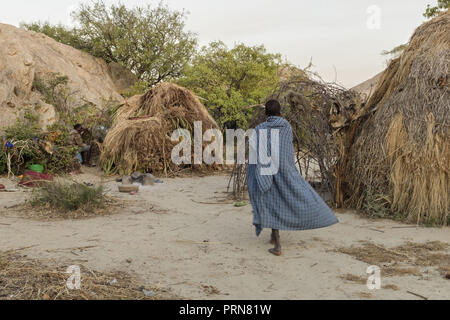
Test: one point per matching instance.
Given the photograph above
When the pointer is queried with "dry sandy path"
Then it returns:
(163, 233)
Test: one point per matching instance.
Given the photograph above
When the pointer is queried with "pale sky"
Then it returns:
(343, 38)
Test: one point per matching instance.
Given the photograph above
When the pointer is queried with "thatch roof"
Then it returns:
(400, 156)
(140, 138)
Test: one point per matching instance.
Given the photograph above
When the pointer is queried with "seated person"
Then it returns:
(75, 139)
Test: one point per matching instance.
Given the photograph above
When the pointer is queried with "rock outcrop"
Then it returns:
(27, 55)
(122, 78)
(367, 87)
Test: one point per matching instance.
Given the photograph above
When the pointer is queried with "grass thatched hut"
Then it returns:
(398, 159)
(140, 138)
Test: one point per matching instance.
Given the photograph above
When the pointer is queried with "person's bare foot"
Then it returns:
(275, 240)
(275, 252)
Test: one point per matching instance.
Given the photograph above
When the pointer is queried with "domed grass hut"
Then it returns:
(399, 159)
(140, 137)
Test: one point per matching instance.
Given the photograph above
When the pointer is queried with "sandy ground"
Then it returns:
(209, 250)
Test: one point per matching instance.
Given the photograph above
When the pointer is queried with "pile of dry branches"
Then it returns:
(140, 138)
(317, 112)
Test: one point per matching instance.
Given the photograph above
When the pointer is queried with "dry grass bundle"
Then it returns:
(404, 259)
(140, 136)
(26, 279)
(400, 158)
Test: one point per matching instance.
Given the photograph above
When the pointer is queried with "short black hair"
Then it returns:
(273, 108)
(77, 126)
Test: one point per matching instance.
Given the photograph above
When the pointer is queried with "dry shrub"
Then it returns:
(391, 287)
(365, 295)
(427, 254)
(354, 278)
(363, 280)
(445, 271)
(69, 199)
(373, 254)
(140, 138)
(401, 152)
(26, 279)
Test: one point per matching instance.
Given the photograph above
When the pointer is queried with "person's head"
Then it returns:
(78, 127)
(273, 108)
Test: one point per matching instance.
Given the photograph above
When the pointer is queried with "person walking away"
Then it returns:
(282, 199)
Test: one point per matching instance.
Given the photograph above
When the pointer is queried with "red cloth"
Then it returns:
(32, 178)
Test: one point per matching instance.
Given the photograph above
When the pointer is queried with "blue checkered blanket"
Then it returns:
(284, 200)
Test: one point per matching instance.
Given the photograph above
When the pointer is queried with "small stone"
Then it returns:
(28, 61)
(136, 175)
(126, 180)
(129, 260)
(12, 51)
(148, 293)
(148, 180)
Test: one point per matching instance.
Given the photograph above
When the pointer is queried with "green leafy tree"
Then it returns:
(60, 33)
(230, 80)
(149, 41)
(431, 12)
